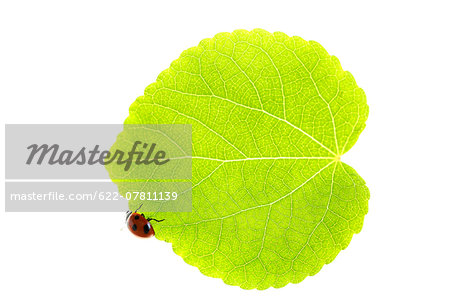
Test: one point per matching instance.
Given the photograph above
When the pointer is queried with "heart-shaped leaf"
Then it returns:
(271, 116)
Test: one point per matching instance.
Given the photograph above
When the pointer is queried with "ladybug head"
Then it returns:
(129, 213)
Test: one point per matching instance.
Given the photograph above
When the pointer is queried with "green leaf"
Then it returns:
(271, 116)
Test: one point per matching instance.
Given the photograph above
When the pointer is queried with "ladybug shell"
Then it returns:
(140, 226)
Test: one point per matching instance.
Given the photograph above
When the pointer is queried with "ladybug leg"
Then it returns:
(148, 219)
(138, 208)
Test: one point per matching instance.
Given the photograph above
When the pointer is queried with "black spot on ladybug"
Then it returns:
(134, 227)
(136, 217)
(146, 228)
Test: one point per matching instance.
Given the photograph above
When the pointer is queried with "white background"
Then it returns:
(87, 61)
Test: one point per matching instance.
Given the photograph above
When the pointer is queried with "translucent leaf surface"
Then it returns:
(271, 116)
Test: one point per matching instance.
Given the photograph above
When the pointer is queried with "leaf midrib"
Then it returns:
(238, 104)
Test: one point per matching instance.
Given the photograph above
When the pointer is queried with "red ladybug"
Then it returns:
(139, 225)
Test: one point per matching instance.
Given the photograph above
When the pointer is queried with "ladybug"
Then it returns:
(139, 225)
